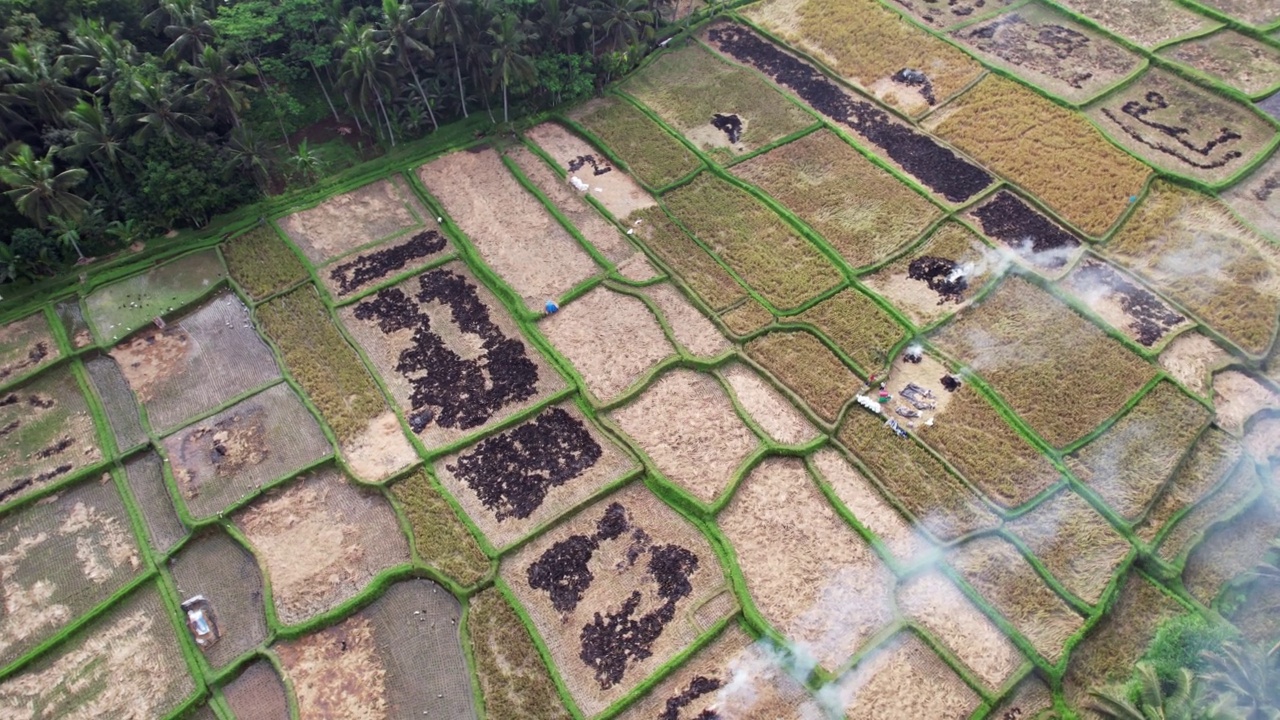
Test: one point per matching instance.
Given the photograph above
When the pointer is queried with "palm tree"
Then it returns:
(623, 22)
(165, 111)
(185, 23)
(99, 50)
(400, 30)
(251, 154)
(38, 83)
(95, 138)
(508, 62)
(1250, 676)
(221, 82)
(363, 76)
(308, 164)
(125, 232)
(38, 190)
(1185, 701)
(560, 22)
(67, 233)
(446, 22)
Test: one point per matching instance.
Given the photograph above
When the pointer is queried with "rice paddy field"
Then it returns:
(849, 359)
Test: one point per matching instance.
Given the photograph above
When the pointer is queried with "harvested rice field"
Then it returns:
(1232, 550)
(1143, 22)
(1257, 198)
(258, 693)
(1204, 469)
(118, 405)
(1236, 60)
(1258, 13)
(1073, 542)
(48, 433)
(801, 362)
(867, 504)
(1191, 358)
(699, 269)
(611, 186)
(762, 403)
(356, 273)
(904, 678)
(145, 478)
(944, 13)
(1224, 502)
(1124, 303)
(692, 331)
(354, 219)
(653, 156)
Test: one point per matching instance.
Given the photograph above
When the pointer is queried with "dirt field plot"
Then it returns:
(116, 310)
(126, 664)
(733, 677)
(400, 657)
(1060, 372)
(440, 538)
(258, 694)
(58, 559)
(72, 317)
(1259, 13)
(1187, 529)
(862, 211)
(606, 637)
(866, 503)
(801, 362)
(936, 167)
(262, 263)
(612, 340)
(1130, 461)
(656, 158)
(686, 423)
(1026, 234)
(1029, 699)
(25, 346)
(933, 601)
(517, 236)
(857, 325)
(47, 433)
(1183, 128)
(520, 479)
(1049, 50)
(1113, 645)
(1191, 358)
(223, 459)
(811, 576)
(450, 356)
(720, 107)
(1001, 575)
(1257, 197)
(772, 411)
(515, 682)
(1076, 544)
(351, 220)
(196, 363)
(1195, 252)
(698, 268)
(117, 401)
(1231, 550)
(944, 13)
(322, 540)
(1236, 60)
(904, 678)
(361, 271)
(872, 47)
(1205, 468)
(1124, 303)
(145, 478)
(940, 502)
(612, 186)
(220, 569)
(1015, 132)
(767, 253)
(695, 334)
(1145, 22)
(920, 283)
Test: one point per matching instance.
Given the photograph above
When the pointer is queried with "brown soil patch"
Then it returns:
(615, 189)
(905, 679)
(869, 506)
(809, 573)
(602, 234)
(692, 330)
(1238, 397)
(612, 340)
(150, 358)
(686, 423)
(25, 345)
(230, 445)
(933, 601)
(1076, 544)
(380, 450)
(345, 222)
(336, 672)
(514, 233)
(1190, 358)
(768, 407)
(322, 540)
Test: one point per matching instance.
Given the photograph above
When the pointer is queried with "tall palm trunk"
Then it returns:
(418, 83)
(257, 67)
(327, 99)
(390, 133)
(505, 117)
(457, 68)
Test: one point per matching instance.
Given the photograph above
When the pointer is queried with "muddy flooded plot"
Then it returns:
(732, 677)
(861, 498)
(1124, 303)
(613, 592)
(321, 540)
(523, 478)
(126, 664)
(611, 339)
(938, 168)
(1001, 575)
(945, 13)
(26, 345)
(768, 407)
(810, 575)
(686, 423)
(196, 362)
(694, 333)
(118, 309)
(937, 604)
(1205, 468)
(1183, 128)
(515, 234)
(58, 559)
(352, 274)
(354, 219)
(217, 567)
(1033, 238)
(117, 401)
(258, 694)
(1048, 49)
(1145, 22)
(904, 678)
(71, 315)
(46, 433)
(145, 476)
(1076, 544)
(614, 188)
(1234, 59)
(1257, 197)
(223, 459)
(451, 357)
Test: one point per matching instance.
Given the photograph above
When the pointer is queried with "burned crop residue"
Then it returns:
(368, 267)
(1150, 317)
(1031, 235)
(730, 125)
(943, 276)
